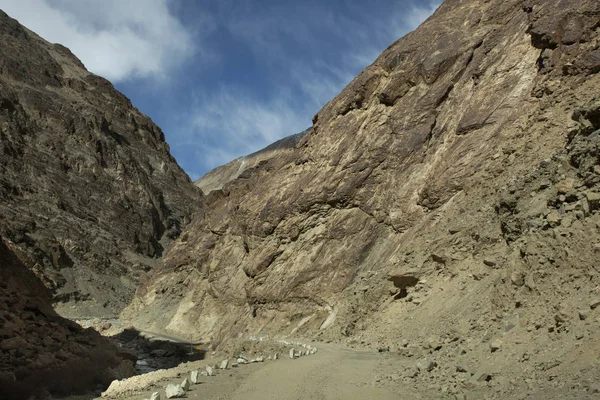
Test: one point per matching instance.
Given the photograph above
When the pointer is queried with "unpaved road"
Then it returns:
(332, 373)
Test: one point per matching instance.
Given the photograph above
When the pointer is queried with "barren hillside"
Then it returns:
(88, 188)
(444, 204)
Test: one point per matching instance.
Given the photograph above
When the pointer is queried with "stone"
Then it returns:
(195, 376)
(234, 364)
(105, 326)
(241, 360)
(174, 391)
(185, 385)
(158, 353)
(276, 356)
(594, 304)
(481, 376)
(426, 365)
(489, 262)
(554, 218)
(203, 373)
(593, 199)
(564, 186)
(210, 371)
(561, 316)
(224, 364)
(292, 353)
(517, 278)
(13, 343)
(433, 342)
(495, 345)
(155, 396)
(260, 359)
(584, 314)
(530, 282)
(439, 258)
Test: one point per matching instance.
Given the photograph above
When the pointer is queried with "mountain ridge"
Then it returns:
(216, 178)
(388, 223)
(89, 188)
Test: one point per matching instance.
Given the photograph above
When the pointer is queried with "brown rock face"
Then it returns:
(88, 187)
(41, 352)
(404, 164)
(446, 204)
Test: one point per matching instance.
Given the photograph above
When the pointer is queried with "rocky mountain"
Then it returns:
(42, 353)
(218, 177)
(88, 187)
(445, 204)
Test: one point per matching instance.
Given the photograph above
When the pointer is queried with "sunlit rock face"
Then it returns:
(88, 187)
(400, 172)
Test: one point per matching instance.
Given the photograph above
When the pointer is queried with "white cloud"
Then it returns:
(116, 39)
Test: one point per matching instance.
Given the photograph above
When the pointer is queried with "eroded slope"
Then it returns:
(445, 204)
(41, 352)
(88, 188)
(399, 175)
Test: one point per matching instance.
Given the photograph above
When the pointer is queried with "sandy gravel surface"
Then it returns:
(332, 373)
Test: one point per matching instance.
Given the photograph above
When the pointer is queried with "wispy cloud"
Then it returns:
(230, 123)
(304, 72)
(116, 39)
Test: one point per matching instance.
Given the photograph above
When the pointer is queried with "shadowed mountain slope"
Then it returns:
(88, 187)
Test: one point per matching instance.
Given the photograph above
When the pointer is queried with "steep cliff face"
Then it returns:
(399, 174)
(447, 198)
(40, 352)
(88, 188)
(220, 176)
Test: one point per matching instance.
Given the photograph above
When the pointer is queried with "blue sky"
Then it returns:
(224, 78)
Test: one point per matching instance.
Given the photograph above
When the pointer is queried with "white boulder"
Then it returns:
(185, 385)
(174, 391)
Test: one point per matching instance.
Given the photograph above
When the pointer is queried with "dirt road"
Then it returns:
(332, 373)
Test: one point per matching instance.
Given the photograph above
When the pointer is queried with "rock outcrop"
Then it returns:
(88, 187)
(41, 352)
(218, 177)
(401, 179)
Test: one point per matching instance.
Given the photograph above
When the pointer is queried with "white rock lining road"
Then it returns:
(173, 391)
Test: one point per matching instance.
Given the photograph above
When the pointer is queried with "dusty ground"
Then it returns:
(334, 372)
